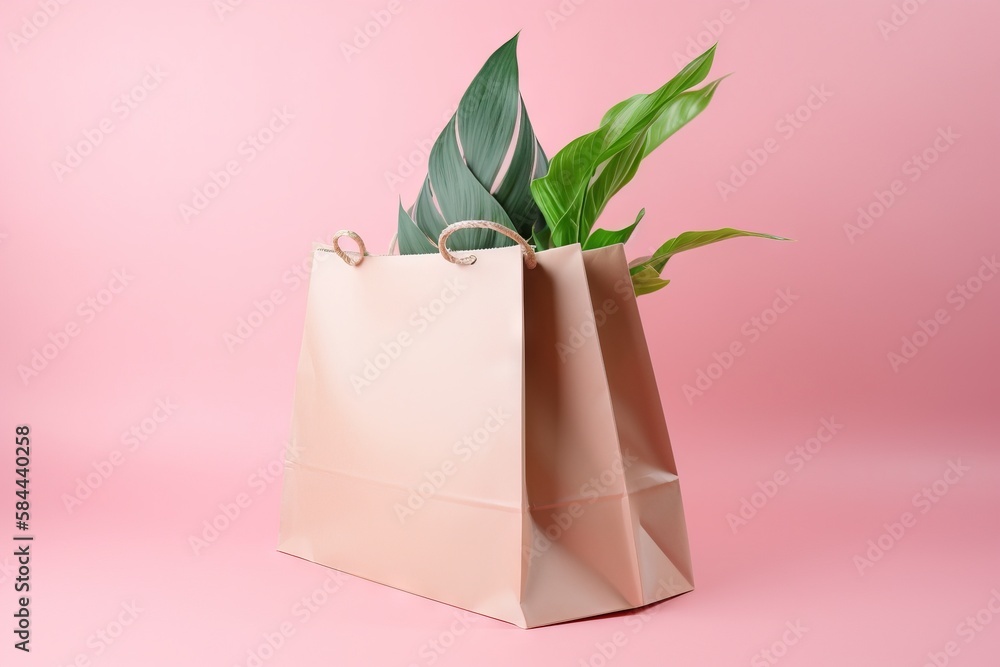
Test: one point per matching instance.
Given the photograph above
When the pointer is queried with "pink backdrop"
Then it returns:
(155, 278)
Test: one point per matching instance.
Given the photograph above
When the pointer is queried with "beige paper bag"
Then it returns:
(484, 432)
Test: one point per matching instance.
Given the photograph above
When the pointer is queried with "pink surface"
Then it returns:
(144, 314)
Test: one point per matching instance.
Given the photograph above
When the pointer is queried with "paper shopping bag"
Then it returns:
(456, 435)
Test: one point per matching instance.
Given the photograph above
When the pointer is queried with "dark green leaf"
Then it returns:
(487, 114)
(426, 214)
(410, 235)
(478, 168)
(514, 192)
(461, 197)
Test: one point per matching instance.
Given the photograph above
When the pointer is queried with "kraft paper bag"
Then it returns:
(485, 432)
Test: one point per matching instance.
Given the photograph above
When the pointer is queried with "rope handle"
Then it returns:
(354, 259)
(529, 254)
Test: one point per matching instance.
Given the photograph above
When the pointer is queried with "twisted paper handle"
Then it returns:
(350, 258)
(529, 254)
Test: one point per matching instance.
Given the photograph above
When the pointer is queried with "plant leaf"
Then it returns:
(647, 281)
(641, 113)
(621, 107)
(688, 241)
(540, 233)
(678, 114)
(426, 215)
(461, 197)
(482, 164)
(563, 193)
(514, 191)
(487, 113)
(617, 172)
(602, 237)
(541, 239)
(411, 235)
(612, 176)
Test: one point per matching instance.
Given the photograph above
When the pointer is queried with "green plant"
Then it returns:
(552, 204)
(474, 181)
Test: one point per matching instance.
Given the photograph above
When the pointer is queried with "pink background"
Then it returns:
(189, 283)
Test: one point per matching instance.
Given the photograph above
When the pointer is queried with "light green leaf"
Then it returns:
(679, 113)
(564, 194)
(612, 176)
(621, 168)
(541, 239)
(621, 107)
(647, 281)
(689, 241)
(540, 234)
(600, 238)
(643, 112)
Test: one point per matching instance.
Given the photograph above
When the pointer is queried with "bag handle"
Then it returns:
(529, 254)
(354, 259)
